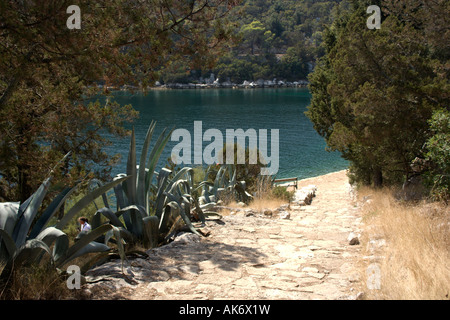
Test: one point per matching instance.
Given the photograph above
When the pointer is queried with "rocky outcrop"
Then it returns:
(305, 195)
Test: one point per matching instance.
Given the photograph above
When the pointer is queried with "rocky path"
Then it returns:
(307, 256)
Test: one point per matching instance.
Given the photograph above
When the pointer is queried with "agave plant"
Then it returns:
(132, 196)
(175, 204)
(146, 221)
(24, 242)
(176, 200)
(150, 213)
(225, 180)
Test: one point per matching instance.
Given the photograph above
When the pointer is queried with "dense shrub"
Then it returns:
(280, 192)
(438, 155)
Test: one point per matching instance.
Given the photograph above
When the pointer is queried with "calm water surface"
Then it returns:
(302, 150)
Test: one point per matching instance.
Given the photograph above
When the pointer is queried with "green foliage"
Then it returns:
(25, 236)
(254, 34)
(292, 66)
(224, 184)
(151, 213)
(133, 196)
(247, 170)
(72, 228)
(274, 39)
(374, 91)
(280, 192)
(438, 155)
(49, 71)
(239, 69)
(178, 72)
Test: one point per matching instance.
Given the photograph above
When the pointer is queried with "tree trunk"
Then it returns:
(24, 188)
(377, 177)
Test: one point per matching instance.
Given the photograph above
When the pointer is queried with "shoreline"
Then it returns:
(202, 86)
(323, 175)
(322, 178)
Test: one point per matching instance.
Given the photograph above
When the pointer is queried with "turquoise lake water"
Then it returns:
(302, 151)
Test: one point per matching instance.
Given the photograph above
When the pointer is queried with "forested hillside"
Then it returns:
(274, 39)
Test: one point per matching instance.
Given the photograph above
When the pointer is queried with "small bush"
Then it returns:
(280, 192)
(438, 155)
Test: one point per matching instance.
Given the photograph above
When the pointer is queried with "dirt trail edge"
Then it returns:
(306, 256)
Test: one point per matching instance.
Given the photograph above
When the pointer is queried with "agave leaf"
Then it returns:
(186, 171)
(173, 198)
(96, 220)
(29, 252)
(131, 170)
(49, 235)
(177, 224)
(199, 211)
(8, 216)
(151, 224)
(124, 233)
(233, 179)
(141, 190)
(211, 215)
(51, 210)
(104, 197)
(120, 247)
(139, 209)
(155, 154)
(120, 192)
(180, 187)
(23, 225)
(171, 210)
(78, 248)
(208, 206)
(23, 206)
(206, 194)
(9, 245)
(122, 201)
(91, 247)
(136, 214)
(86, 200)
(223, 177)
(218, 181)
(160, 195)
(114, 220)
(201, 185)
(185, 215)
(137, 223)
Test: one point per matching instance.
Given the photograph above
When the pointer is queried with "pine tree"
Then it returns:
(375, 90)
(47, 71)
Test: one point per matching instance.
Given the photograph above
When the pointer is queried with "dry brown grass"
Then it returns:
(266, 203)
(36, 283)
(415, 259)
(42, 282)
(257, 205)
